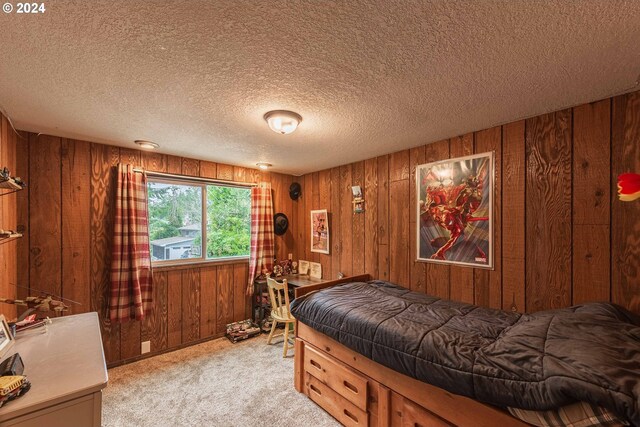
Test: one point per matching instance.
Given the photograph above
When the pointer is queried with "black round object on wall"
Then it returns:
(280, 224)
(294, 191)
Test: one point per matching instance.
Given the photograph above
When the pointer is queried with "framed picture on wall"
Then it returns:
(455, 211)
(320, 231)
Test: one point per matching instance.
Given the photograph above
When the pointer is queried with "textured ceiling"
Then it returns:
(368, 77)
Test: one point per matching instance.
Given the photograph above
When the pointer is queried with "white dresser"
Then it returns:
(67, 371)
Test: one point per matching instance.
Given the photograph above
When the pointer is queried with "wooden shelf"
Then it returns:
(7, 238)
(10, 184)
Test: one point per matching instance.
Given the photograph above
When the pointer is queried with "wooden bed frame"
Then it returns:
(360, 392)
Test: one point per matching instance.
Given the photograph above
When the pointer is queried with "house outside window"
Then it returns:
(192, 221)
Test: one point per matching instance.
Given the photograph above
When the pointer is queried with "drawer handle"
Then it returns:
(327, 348)
(315, 389)
(316, 365)
(350, 415)
(351, 387)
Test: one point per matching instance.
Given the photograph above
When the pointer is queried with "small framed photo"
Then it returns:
(6, 337)
(357, 192)
(304, 267)
(320, 231)
(315, 270)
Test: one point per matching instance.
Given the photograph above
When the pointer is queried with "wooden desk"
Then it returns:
(67, 371)
(299, 281)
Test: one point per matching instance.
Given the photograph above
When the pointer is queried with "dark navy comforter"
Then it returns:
(537, 361)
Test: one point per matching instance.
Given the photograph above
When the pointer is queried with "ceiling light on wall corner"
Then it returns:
(264, 165)
(282, 121)
(146, 145)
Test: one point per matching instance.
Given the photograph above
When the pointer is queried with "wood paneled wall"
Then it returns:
(562, 237)
(9, 143)
(68, 215)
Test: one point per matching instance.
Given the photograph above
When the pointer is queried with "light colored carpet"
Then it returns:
(212, 384)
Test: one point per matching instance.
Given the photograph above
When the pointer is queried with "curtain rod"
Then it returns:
(196, 178)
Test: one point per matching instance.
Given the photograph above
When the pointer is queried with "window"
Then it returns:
(191, 221)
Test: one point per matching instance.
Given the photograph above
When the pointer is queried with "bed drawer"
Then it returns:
(340, 408)
(341, 379)
(406, 413)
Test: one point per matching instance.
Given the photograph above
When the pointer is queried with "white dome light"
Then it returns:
(282, 121)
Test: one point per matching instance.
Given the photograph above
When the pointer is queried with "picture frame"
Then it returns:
(454, 211)
(304, 268)
(7, 340)
(315, 270)
(320, 231)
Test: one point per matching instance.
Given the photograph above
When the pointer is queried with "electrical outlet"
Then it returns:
(290, 257)
(146, 347)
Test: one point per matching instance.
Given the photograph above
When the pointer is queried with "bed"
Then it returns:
(373, 353)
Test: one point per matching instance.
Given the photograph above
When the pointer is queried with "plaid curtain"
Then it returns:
(262, 240)
(131, 277)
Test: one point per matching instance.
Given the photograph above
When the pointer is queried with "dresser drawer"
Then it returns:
(341, 379)
(340, 408)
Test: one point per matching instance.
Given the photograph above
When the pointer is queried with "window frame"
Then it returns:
(171, 179)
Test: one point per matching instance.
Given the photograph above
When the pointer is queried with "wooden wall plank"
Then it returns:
(346, 221)
(625, 223)
(399, 166)
(22, 200)
(174, 308)
(225, 172)
(103, 160)
(225, 305)
(76, 220)
(208, 301)
(324, 202)
(190, 305)
(591, 202)
(371, 218)
(5, 263)
(45, 221)
(488, 283)
(8, 220)
(301, 236)
(417, 268)
(240, 298)
(383, 217)
(334, 223)
(174, 164)
(208, 169)
(461, 278)
(357, 246)
(399, 232)
(153, 161)
(190, 167)
(308, 205)
(154, 325)
(548, 188)
(513, 217)
(240, 174)
(130, 156)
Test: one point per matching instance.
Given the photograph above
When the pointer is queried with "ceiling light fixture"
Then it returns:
(147, 145)
(263, 165)
(282, 121)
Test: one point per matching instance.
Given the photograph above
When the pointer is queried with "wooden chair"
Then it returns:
(280, 310)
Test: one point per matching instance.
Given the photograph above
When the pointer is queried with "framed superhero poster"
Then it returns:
(455, 211)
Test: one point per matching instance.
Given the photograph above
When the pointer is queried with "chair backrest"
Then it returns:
(276, 289)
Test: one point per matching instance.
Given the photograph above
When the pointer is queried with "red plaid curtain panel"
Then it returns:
(131, 277)
(262, 239)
